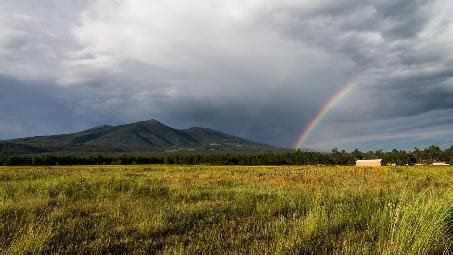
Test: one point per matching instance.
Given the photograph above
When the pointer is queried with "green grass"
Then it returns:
(222, 209)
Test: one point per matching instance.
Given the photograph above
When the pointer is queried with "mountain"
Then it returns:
(142, 136)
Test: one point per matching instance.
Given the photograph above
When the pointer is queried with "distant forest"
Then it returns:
(335, 157)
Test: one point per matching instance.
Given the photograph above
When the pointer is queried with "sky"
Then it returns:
(261, 70)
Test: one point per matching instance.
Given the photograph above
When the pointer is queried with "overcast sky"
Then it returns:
(256, 69)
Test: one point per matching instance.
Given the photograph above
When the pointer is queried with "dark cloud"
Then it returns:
(34, 109)
(257, 70)
(407, 17)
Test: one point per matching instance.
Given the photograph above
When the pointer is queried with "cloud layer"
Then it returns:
(259, 69)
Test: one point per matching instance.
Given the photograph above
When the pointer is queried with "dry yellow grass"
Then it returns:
(193, 209)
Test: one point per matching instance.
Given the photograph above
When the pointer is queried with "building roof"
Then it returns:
(369, 160)
(440, 163)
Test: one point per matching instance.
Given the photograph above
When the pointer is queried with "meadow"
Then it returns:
(226, 209)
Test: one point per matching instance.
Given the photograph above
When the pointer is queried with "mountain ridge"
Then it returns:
(142, 136)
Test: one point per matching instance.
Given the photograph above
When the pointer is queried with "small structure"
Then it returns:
(440, 164)
(369, 162)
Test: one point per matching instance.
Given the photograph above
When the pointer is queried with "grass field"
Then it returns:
(218, 209)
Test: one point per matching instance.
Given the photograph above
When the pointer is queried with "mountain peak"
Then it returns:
(153, 121)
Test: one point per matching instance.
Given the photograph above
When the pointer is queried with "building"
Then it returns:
(370, 162)
(440, 164)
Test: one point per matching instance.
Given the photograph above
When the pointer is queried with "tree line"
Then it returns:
(335, 157)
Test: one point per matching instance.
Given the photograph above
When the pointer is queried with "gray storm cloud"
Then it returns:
(259, 69)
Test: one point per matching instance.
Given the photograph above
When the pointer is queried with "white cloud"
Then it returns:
(207, 38)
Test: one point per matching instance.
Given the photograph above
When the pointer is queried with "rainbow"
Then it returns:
(342, 92)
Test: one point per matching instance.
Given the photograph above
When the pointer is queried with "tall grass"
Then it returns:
(218, 209)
